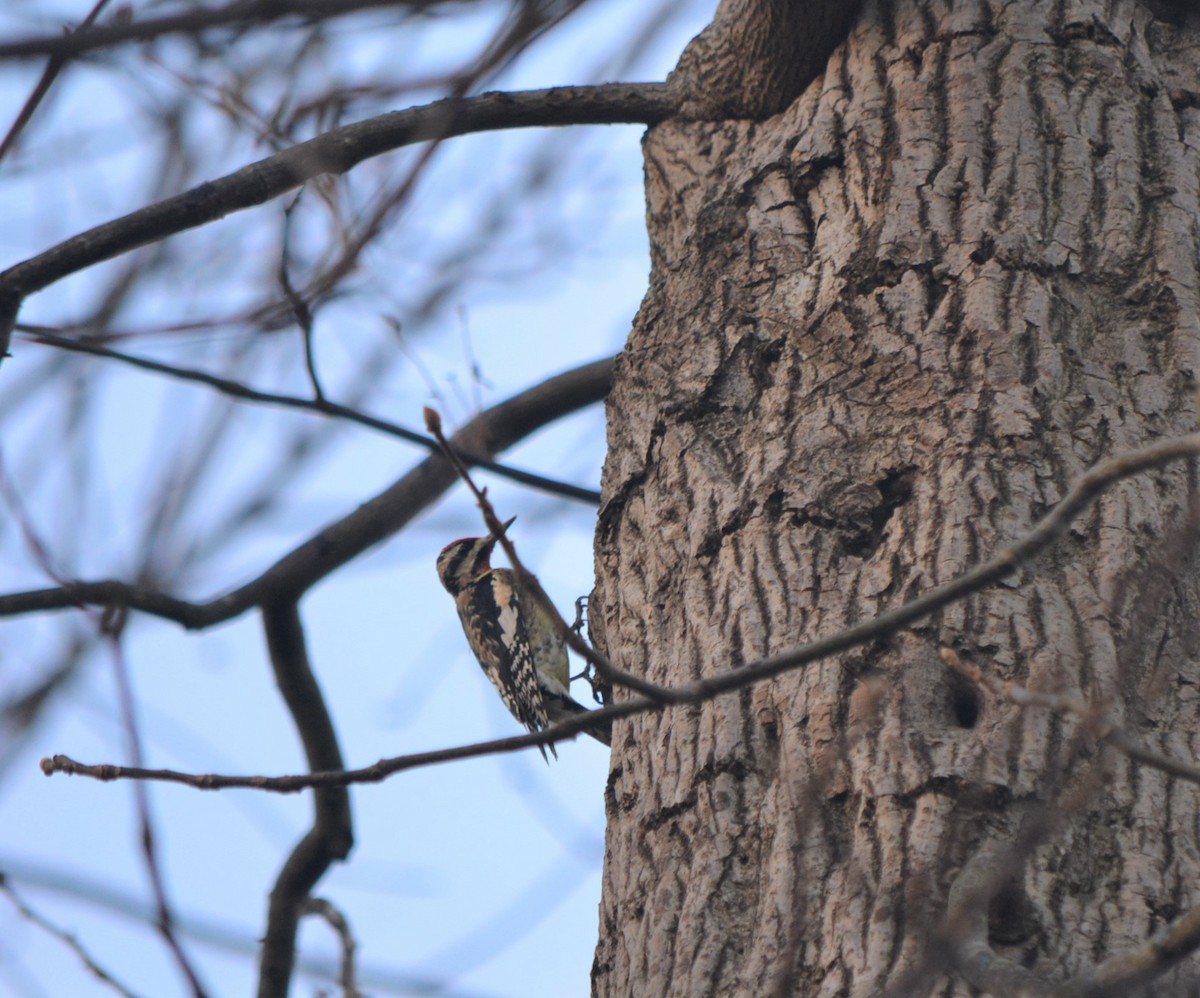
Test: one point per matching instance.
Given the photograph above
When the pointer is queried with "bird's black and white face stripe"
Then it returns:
(462, 562)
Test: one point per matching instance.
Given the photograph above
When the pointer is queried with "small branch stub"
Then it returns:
(757, 56)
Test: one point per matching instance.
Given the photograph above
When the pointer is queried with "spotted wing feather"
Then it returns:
(491, 613)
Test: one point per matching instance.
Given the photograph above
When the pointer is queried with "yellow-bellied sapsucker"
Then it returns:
(515, 640)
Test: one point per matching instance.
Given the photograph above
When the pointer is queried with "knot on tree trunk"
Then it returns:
(757, 56)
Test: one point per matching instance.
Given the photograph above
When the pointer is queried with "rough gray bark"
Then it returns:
(884, 332)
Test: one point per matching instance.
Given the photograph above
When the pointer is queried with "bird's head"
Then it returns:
(465, 560)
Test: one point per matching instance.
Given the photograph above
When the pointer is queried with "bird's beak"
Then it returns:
(496, 537)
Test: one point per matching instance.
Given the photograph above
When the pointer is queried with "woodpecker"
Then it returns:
(513, 637)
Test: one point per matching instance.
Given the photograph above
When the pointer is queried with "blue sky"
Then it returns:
(482, 877)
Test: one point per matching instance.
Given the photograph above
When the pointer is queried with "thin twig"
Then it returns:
(110, 624)
(193, 21)
(54, 66)
(223, 934)
(66, 938)
(319, 405)
(966, 927)
(374, 773)
(348, 978)
(300, 310)
(165, 920)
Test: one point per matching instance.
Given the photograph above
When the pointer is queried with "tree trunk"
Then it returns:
(885, 331)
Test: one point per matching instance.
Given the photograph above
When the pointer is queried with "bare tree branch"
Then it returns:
(332, 834)
(334, 152)
(375, 773)
(1007, 839)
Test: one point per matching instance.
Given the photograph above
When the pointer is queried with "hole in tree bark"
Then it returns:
(965, 704)
(1012, 917)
